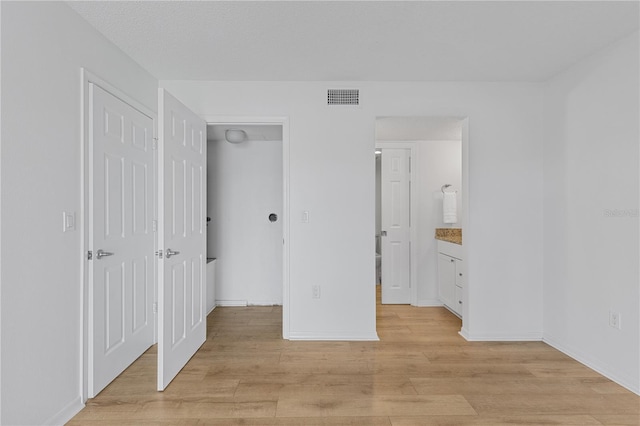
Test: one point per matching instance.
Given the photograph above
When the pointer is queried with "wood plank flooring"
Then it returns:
(420, 373)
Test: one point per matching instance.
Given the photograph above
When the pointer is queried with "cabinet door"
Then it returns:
(459, 273)
(446, 279)
(458, 301)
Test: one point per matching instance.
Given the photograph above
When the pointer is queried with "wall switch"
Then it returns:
(68, 221)
(305, 217)
(615, 320)
(315, 290)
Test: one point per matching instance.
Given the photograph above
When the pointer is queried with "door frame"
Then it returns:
(87, 77)
(413, 208)
(284, 122)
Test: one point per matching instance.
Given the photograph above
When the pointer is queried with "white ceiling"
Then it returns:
(360, 40)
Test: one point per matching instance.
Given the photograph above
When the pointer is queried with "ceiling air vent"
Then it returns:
(343, 97)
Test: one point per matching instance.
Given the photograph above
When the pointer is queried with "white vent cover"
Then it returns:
(343, 97)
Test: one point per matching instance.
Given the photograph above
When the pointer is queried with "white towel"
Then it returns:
(449, 208)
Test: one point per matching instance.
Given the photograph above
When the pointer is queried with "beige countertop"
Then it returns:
(452, 235)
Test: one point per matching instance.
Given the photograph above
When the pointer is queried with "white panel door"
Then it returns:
(120, 236)
(182, 159)
(396, 249)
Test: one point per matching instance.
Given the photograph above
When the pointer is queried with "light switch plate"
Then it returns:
(68, 221)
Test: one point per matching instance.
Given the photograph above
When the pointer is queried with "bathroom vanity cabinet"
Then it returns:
(451, 276)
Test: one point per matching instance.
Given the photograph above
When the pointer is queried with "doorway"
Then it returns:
(248, 229)
(436, 147)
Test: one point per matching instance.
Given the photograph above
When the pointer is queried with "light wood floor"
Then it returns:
(420, 373)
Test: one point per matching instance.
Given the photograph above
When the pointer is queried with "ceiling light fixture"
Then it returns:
(235, 135)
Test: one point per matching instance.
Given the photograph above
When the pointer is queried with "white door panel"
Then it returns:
(396, 249)
(120, 216)
(182, 229)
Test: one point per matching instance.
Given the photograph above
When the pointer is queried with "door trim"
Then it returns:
(284, 122)
(87, 77)
(413, 207)
(466, 226)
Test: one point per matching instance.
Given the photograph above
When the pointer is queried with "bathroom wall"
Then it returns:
(438, 162)
(591, 220)
(244, 186)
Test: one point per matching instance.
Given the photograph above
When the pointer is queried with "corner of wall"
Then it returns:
(591, 193)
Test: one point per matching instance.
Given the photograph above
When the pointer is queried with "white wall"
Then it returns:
(244, 184)
(378, 197)
(438, 163)
(332, 176)
(591, 169)
(43, 47)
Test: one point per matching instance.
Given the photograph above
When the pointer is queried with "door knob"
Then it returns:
(170, 253)
(101, 253)
(383, 233)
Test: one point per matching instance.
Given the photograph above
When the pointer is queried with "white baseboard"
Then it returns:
(231, 303)
(298, 335)
(593, 364)
(247, 303)
(67, 413)
(428, 303)
(464, 333)
(264, 303)
(501, 337)
(211, 310)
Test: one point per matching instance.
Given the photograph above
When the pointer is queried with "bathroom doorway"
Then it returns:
(434, 146)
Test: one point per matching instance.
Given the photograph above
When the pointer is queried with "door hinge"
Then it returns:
(154, 225)
(159, 254)
(154, 144)
(155, 307)
(89, 255)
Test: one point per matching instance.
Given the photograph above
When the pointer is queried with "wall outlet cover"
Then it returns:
(615, 320)
(315, 289)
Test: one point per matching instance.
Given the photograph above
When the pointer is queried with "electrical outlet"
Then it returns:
(615, 320)
(315, 291)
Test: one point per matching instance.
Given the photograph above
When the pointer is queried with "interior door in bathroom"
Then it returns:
(396, 226)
